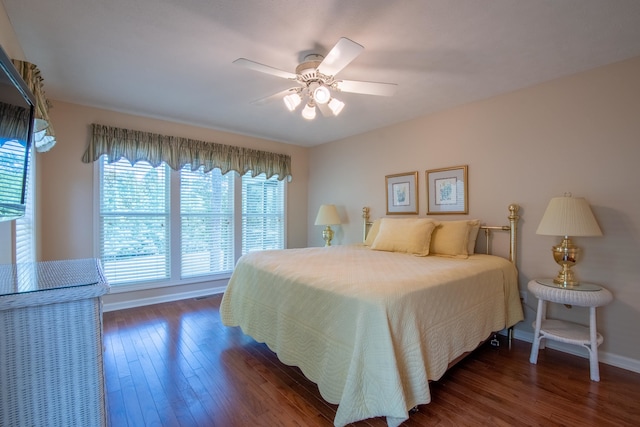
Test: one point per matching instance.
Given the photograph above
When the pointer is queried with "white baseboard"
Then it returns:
(139, 302)
(604, 357)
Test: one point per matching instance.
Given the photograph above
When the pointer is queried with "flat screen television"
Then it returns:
(16, 135)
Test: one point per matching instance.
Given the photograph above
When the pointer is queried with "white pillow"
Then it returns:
(407, 235)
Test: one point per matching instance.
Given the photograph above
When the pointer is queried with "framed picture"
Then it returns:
(447, 191)
(402, 193)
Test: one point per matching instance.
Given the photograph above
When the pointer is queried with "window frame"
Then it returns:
(175, 233)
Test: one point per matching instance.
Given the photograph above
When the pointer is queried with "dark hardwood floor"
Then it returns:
(175, 364)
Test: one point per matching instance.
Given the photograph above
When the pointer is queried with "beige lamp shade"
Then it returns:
(568, 216)
(328, 215)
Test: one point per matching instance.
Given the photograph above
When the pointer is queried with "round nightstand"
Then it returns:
(585, 295)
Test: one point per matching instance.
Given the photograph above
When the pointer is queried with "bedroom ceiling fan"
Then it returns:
(317, 82)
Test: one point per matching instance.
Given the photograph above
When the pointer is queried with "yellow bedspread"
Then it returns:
(370, 328)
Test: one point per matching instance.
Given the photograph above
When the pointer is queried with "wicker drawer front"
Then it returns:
(51, 372)
(51, 367)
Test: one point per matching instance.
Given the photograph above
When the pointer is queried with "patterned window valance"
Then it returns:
(177, 152)
(44, 135)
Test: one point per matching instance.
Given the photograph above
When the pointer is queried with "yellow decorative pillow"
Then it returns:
(451, 238)
(407, 235)
(473, 235)
(373, 232)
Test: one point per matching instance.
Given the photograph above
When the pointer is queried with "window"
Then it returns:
(207, 224)
(166, 227)
(134, 222)
(262, 214)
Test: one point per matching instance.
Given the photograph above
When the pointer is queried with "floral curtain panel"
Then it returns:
(177, 152)
(44, 135)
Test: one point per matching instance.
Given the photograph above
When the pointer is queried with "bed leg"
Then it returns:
(413, 410)
(496, 343)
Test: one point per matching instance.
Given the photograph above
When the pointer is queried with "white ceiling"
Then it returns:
(172, 59)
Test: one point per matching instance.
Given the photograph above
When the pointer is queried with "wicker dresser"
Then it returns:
(51, 368)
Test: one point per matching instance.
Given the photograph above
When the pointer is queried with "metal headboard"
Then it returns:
(512, 228)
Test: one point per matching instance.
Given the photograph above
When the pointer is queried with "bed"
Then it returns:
(371, 324)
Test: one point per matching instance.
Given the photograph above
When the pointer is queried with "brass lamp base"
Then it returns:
(566, 255)
(327, 235)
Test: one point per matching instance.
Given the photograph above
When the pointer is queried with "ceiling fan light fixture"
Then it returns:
(321, 94)
(316, 77)
(292, 101)
(336, 106)
(309, 111)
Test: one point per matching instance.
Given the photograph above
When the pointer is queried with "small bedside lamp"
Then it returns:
(567, 216)
(327, 215)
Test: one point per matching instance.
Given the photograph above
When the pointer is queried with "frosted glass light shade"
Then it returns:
(328, 215)
(321, 95)
(568, 216)
(309, 112)
(292, 101)
(336, 106)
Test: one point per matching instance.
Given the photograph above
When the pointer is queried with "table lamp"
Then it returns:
(567, 216)
(327, 215)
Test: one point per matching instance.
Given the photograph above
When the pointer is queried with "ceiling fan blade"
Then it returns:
(367, 88)
(279, 95)
(264, 68)
(340, 56)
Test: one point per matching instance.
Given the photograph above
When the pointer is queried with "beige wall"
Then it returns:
(579, 134)
(66, 188)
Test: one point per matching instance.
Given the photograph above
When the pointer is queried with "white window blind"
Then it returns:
(25, 235)
(207, 228)
(262, 213)
(134, 221)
